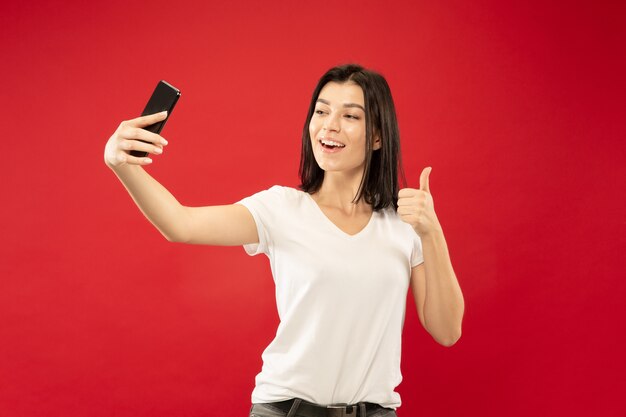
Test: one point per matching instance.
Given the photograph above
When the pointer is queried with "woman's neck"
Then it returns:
(338, 191)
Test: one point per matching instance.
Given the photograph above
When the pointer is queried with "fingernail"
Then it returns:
(158, 150)
(148, 160)
(164, 142)
(164, 112)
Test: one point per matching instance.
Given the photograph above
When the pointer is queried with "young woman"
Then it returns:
(344, 250)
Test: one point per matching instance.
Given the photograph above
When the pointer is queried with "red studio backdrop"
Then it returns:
(517, 106)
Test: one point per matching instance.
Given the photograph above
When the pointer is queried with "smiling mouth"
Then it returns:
(331, 144)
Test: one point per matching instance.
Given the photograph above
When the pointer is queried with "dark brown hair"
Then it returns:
(379, 186)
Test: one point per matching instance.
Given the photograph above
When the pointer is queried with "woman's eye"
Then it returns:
(319, 112)
(351, 116)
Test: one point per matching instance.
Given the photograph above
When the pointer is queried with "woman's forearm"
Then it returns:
(444, 304)
(156, 203)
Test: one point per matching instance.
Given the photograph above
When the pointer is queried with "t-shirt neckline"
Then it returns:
(332, 225)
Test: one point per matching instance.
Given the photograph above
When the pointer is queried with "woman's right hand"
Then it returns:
(129, 136)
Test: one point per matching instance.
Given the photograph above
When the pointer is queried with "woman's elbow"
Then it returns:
(175, 237)
(449, 340)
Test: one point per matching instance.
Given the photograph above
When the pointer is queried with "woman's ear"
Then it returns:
(377, 143)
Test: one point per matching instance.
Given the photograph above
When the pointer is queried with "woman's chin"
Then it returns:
(329, 167)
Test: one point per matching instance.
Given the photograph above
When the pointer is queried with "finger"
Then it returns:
(136, 145)
(404, 210)
(408, 217)
(424, 179)
(142, 134)
(148, 120)
(134, 160)
(406, 192)
(407, 201)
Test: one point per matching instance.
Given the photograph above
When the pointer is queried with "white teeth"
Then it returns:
(331, 143)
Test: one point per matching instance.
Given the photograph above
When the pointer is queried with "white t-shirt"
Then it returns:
(340, 298)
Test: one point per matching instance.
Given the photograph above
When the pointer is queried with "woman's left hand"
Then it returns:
(416, 207)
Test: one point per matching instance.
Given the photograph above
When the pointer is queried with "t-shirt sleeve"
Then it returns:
(263, 206)
(417, 256)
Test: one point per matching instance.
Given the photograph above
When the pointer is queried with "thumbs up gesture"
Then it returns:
(416, 207)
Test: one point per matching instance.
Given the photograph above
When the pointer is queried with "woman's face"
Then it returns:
(337, 128)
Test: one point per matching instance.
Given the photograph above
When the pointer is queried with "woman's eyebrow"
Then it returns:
(321, 100)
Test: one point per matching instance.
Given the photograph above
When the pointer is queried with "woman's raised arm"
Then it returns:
(216, 225)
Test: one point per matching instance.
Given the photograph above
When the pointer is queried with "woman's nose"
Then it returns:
(331, 123)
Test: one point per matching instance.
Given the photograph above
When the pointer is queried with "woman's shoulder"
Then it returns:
(278, 193)
(284, 189)
(277, 203)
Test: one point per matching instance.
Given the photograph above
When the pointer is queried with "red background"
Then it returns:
(519, 109)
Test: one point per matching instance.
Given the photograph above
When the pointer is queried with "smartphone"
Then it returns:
(163, 98)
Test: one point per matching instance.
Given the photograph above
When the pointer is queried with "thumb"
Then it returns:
(424, 179)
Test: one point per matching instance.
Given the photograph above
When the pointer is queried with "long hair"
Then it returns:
(379, 185)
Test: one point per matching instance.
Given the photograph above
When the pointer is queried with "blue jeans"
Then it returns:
(267, 410)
